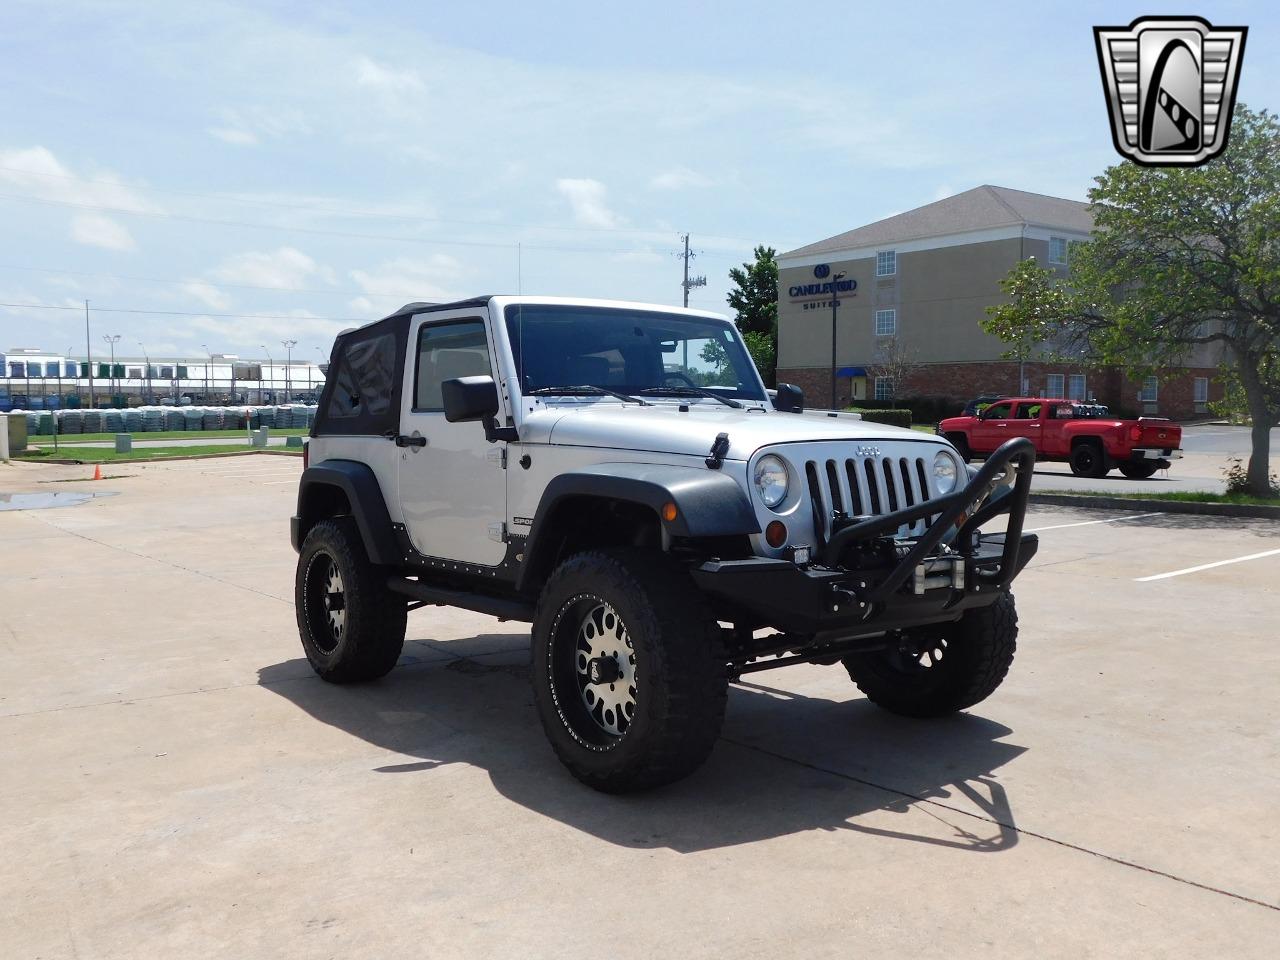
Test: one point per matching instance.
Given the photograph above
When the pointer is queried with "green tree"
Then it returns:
(754, 299)
(1181, 257)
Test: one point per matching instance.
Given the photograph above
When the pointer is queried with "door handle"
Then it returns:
(406, 441)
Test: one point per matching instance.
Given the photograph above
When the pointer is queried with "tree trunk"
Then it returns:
(1260, 455)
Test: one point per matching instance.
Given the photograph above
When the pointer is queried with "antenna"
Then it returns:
(689, 282)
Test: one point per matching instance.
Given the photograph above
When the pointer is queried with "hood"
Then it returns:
(662, 428)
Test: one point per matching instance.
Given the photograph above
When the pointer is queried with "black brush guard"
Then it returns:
(835, 598)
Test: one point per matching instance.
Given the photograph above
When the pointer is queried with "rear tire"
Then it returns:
(352, 626)
(1139, 471)
(633, 618)
(1088, 459)
(936, 671)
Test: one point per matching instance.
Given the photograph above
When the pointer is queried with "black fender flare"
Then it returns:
(360, 486)
(708, 504)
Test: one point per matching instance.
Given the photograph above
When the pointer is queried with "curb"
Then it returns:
(1256, 511)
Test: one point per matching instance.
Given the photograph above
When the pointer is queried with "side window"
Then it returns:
(998, 411)
(1028, 411)
(365, 379)
(446, 351)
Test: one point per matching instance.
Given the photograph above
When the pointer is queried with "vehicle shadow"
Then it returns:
(785, 764)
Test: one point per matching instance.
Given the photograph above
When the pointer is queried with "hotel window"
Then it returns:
(1150, 390)
(1201, 395)
(1076, 387)
(1057, 249)
(1054, 386)
(884, 388)
(886, 323)
(886, 263)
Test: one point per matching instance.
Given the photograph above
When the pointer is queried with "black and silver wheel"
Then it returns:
(627, 677)
(1088, 459)
(961, 443)
(352, 627)
(937, 670)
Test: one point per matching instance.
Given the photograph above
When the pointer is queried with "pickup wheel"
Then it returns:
(1139, 471)
(935, 671)
(352, 626)
(628, 675)
(961, 443)
(1088, 459)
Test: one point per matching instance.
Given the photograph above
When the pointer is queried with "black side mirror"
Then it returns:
(469, 398)
(790, 398)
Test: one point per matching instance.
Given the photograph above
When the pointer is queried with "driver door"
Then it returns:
(993, 429)
(451, 481)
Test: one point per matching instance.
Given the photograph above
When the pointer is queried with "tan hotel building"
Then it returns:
(926, 277)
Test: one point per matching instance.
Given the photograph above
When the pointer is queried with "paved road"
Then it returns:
(178, 783)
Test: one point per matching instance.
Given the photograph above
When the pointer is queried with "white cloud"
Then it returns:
(241, 138)
(679, 178)
(247, 334)
(587, 199)
(206, 293)
(41, 174)
(387, 79)
(405, 279)
(286, 267)
(96, 230)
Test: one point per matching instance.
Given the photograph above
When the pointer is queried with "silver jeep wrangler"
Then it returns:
(616, 474)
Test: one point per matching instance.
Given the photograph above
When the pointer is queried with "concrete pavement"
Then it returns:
(179, 783)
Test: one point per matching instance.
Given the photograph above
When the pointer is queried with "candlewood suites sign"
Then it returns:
(803, 292)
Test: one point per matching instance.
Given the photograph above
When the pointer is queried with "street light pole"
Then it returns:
(288, 371)
(206, 371)
(835, 303)
(271, 376)
(112, 339)
(88, 355)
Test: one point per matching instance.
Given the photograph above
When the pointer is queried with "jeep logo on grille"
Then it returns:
(868, 451)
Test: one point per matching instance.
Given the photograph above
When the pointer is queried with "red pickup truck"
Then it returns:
(1084, 435)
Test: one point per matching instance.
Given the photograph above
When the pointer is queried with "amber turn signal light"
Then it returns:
(668, 512)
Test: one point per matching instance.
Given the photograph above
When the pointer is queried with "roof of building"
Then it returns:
(978, 209)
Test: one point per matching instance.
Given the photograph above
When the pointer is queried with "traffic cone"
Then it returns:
(97, 472)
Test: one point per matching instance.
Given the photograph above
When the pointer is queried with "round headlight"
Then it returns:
(944, 472)
(771, 480)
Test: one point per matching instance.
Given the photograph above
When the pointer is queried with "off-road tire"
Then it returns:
(372, 634)
(961, 443)
(1088, 459)
(680, 677)
(976, 652)
(1139, 471)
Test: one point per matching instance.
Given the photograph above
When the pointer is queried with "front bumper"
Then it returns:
(929, 578)
(1155, 453)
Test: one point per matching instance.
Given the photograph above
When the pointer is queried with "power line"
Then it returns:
(187, 313)
(354, 214)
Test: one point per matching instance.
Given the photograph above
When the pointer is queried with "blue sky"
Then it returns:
(285, 170)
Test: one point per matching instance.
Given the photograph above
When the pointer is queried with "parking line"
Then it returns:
(1206, 566)
(1089, 523)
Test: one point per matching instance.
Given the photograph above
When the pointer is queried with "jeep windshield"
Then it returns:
(635, 352)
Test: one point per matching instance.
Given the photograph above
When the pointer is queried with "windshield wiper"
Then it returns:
(691, 392)
(585, 389)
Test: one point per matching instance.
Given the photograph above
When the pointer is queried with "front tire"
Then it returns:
(628, 677)
(939, 670)
(352, 626)
(961, 442)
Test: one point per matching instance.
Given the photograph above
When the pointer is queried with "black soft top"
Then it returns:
(363, 387)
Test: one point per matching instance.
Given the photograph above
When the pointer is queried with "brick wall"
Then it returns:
(964, 381)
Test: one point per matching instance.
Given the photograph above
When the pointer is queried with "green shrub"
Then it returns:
(895, 418)
(1237, 478)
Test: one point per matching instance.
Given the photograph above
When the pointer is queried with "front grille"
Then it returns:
(867, 486)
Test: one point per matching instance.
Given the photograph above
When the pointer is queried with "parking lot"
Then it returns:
(178, 783)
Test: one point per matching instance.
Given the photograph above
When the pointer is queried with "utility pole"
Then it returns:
(271, 376)
(288, 379)
(88, 353)
(112, 339)
(835, 304)
(147, 371)
(689, 283)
